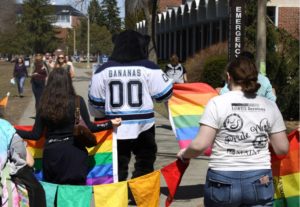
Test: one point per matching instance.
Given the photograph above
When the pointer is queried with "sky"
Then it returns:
(120, 5)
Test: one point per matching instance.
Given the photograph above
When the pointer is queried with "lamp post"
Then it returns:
(74, 41)
(88, 41)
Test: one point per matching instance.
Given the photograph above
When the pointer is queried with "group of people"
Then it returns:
(239, 125)
(39, 71)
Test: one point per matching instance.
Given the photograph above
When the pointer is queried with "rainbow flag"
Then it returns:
(185, 109)
(286, 174)
(102, 159)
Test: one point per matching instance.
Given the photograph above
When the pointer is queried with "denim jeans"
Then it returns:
(253, 188)
(20, 83)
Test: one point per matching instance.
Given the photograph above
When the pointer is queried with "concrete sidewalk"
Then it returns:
(190, 192)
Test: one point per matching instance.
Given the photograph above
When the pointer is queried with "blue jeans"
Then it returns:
(239, 188)
(20, 83)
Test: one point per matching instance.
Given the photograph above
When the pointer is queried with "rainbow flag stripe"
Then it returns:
(103, 169)
(185, 109)
(286, 173)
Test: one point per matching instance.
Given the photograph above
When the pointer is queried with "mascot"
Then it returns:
(125, 87)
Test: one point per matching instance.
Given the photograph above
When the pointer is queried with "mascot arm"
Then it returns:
(160, 86)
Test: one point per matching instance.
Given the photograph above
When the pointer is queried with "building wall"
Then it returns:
(163, 4)
(288, 18)
(284, 3)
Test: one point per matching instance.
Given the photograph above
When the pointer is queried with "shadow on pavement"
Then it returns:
(186, 192)
(81, 78)
(164, 126)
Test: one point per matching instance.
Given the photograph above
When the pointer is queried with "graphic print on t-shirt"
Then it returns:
(233, 123)
(238, 130)
(261, 139)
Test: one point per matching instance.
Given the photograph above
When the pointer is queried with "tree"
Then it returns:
(261, 36)
(36, 19)
(282, 60)
(100, 39)
(7, 15)
(95, 13)
(149, 9)
(112, 16)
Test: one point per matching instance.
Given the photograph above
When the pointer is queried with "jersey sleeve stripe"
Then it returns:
(129, 112)
(165, 97)
(133, 116)
(96, 101)
(164, 92)
(143, 121)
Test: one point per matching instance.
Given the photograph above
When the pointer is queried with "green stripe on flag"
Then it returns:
(38, 163)
(287, 202)
(186, 121)
(100, 159)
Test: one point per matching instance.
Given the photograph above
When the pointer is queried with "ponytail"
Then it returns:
(244, 73)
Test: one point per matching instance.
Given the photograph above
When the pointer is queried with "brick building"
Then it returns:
(285, 14)
(66, 18)
(165, 4)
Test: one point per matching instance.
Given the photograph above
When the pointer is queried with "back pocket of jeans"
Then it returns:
(220, 191)
(264, 192)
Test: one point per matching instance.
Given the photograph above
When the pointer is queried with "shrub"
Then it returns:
(195, 64)
(213, 71)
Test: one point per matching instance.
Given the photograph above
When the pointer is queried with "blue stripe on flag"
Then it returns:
(187, 133)
(101, 170)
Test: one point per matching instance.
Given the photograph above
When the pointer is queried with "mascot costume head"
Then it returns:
(130, 46)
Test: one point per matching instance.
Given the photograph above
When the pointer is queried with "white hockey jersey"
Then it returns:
(127, 90)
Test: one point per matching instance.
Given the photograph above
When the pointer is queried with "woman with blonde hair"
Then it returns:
(62, 62)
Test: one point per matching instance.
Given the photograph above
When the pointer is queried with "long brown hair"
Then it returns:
(244, 73)
(58, 97)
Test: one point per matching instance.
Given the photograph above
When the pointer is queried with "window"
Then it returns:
(63, 18)
(271, 13)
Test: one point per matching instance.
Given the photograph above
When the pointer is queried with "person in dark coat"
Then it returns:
(20, 74)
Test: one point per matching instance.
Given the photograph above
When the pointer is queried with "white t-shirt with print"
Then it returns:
(243, 128)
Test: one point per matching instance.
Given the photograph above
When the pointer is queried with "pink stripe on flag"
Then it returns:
(184, 143)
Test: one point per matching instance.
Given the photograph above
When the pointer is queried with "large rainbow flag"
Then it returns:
(185, 109)
(102, 160)
(286, 173)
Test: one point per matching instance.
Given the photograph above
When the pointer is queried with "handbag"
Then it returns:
(81, 131)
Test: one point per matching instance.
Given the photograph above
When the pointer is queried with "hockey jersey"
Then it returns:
(127, 90)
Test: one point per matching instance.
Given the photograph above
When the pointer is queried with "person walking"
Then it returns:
(65, 159)
(62, 62)
(239, 126)
(175, 70)
(38, 78)
(20, 73)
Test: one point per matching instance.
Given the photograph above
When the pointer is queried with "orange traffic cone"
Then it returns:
(4, 101)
